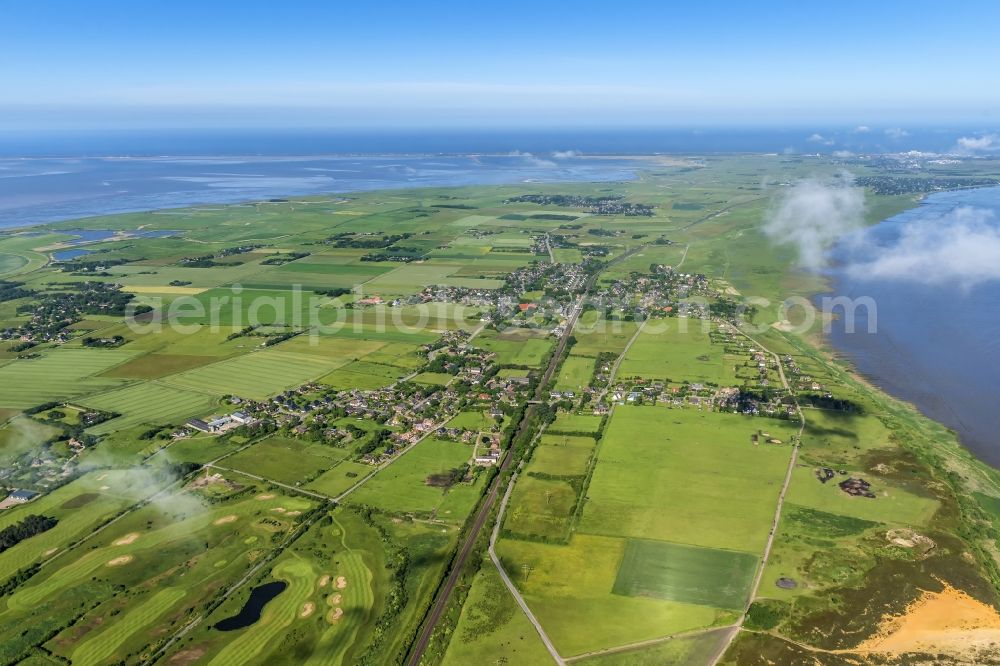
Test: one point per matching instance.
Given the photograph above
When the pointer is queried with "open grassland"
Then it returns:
(698, 649)
(472, 420)
(541, 508)
(516, 347)
(576, 423)
(148, 403)
(555, 456)
(892, 503)
(404, 486)
(286, 460)
(687, 476)
(492, 627)
(595, 334)
(340, 478)
(575, 373)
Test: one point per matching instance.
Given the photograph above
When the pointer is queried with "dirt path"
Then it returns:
(683, 257)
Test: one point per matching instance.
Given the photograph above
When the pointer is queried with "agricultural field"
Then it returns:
(256, 375)
(595, 334)
(698, 479)
(60, 374)
(149, 403)
(679, 350)
(569, 588)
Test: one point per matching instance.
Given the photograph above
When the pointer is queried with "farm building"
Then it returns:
(22, 496)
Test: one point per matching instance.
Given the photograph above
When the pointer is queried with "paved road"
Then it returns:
(548, 246)
(618, 362)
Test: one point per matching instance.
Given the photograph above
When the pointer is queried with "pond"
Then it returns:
(66, 255)
(252, 609)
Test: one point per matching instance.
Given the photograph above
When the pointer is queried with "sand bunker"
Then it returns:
(323, 581)
(225, 519)
(949, 622)
(334, 616)
(265, 496)
(307, 609)
(127, 539)
(333, 600)
(105, 488)
(294, 513)
(279, 509)
(119, 561)
(341, 582)
(102, 477)
(49, 552)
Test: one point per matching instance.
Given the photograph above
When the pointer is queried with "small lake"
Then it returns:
(260, 596)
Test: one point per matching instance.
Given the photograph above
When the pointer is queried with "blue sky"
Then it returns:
(463, 64)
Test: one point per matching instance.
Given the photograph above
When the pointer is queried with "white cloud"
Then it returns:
(843, 154)
(565, 154)
(819, 138)
(813, 213)
(969, 145)
(896, 133)
(961, 247)
(862, 129)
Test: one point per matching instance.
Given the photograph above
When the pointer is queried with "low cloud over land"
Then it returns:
(813, 213)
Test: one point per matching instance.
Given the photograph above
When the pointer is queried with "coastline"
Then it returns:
(92, 187)
(944, 370)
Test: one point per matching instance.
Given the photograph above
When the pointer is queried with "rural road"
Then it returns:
(793, 459)
(441, 600)
(510, 584)
(444, 594)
